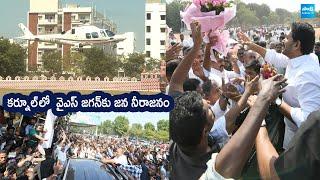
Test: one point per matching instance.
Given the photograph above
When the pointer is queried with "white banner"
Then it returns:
(49, 127)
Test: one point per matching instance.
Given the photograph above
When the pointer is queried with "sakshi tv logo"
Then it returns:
(308, 11)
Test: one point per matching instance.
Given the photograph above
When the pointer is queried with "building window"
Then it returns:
(148, 28)
(148, 53)
(95, 35)
(88, 35)
(162, 42)
(73, 31)
(148, 16)
(163, 17)
(163, 30)
(162, 55)
(148, 41)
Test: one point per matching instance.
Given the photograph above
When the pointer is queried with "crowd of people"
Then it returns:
(138, 159)
(23, 154)
(252, 113)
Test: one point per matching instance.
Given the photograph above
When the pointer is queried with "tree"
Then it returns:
(134, 64)
(121, 125)
(149, 134)
(282, 14)
(163, 125)
(152, 64)
(246, 17)
(136, 130)
(162, 135)
(96, 63)
(77, 61)
(106, 127)
(149, 126)
(12, 59)
(52, 62)
(173, 14)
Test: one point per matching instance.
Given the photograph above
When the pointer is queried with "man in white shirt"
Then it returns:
(214, 67)
(61, 152)
(119, 159)
(302, 94)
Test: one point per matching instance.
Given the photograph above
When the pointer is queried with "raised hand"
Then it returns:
(230, 91)
(252, 86)
(271, 88)
(243, 39)
(173, 52)
(251, 100)
(212, 39)
(196, 34)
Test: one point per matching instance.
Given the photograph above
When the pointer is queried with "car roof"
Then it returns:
(87, 169)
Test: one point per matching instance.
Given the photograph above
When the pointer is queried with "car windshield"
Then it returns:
(109, 33)
(84, 169)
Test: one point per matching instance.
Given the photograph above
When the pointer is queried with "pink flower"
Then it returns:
(218, 2)
(197, 2)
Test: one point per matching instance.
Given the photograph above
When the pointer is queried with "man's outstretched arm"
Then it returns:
(180, 73)
(266, 155)
(233, 156)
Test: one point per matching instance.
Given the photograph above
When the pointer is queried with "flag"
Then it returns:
(49, 127)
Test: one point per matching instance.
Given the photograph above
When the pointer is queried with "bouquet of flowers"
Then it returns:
(268, 71)
(212, 15)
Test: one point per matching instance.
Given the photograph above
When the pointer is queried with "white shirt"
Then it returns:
(216, 75)
(219, 131)
(62, 155)
(121, 160)
(242, 68)
(303, 90)
(218, 112)
(193, 76)
(211, 172)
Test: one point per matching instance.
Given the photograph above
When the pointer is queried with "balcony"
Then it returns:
(46, 45)
(48, 22)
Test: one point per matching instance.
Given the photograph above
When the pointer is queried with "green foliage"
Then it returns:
(152, 64)
(106, 127)
(149, 126)
(97, 63)
(163, 125)
(134, 64)
(162, 135)
(12, 59)
(121, 125)
(136, 130)
(52, 62)
(149, 134)
(173, 14)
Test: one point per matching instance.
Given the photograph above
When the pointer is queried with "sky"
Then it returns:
(127, 14)
(290, 5)
(133, 117)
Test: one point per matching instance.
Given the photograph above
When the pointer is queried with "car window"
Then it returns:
(88, 35)
(95, 35)
(109, 33)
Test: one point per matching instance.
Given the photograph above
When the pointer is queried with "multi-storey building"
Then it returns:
(155, 28)
(49, 17)
(127, 46)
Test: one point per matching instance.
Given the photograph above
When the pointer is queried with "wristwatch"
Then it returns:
(278, 102)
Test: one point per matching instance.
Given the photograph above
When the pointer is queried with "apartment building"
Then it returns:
(127, 46)
(155, 28)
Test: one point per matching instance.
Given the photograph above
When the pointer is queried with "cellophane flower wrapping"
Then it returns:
(210, 21)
